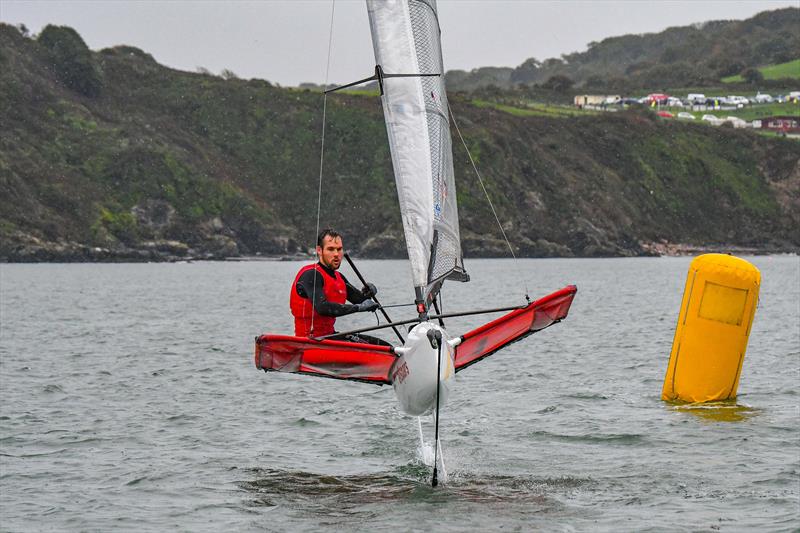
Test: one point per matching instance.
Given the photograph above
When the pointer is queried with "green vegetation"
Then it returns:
(697, 55)
(71, 59)
(531, 109)
(228, 166)
(361, 92)
(788, 70)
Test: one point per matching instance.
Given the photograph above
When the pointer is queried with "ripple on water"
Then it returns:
(164, 423)
(591, 438)
(406, 484)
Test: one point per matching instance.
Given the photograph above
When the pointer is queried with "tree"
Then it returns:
(228, 74)
(526, 72)
(729, 67)
(595, 81)
(558, 83)
(70, 59)
(752, 75)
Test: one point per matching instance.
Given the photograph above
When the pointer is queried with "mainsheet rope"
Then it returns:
(322, 156)
(485, 192)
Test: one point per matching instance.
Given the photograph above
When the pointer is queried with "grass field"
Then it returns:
(747, 113)
(773, 72)
(361, 92)
(533, 109)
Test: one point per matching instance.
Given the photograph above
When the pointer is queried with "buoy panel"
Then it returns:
(717, 309)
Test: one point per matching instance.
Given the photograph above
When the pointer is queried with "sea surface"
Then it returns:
(129, 401)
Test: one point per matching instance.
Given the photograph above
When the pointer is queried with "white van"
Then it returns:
(696, 98)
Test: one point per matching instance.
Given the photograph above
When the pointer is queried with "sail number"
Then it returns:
(400, 373)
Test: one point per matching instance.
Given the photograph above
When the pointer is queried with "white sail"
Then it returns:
(406, 39)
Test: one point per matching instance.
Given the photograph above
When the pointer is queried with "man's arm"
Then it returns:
(311, 286)
(353, 295)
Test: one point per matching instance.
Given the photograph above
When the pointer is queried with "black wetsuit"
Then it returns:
(311, 283)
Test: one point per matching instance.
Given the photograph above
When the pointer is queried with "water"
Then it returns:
(129, 400)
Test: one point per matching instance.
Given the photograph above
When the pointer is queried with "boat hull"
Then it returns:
(414, 376)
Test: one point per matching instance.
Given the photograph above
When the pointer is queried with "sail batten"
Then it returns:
(406, 39)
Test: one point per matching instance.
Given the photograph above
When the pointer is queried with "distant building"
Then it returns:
(785, 124)
(584, 100)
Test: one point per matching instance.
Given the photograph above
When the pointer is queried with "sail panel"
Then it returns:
(406, 39)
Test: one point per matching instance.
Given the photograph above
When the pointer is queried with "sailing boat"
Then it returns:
(409, 71)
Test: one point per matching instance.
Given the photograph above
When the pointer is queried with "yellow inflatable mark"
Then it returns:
(717, 310)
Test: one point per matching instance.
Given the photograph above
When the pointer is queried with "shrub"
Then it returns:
(752, 75)
(121, 224)
(71, 59)
(558, 83)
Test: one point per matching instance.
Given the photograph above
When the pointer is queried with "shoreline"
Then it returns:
(75, 253)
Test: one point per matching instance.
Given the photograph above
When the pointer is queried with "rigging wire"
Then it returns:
(485, 192)
(322, 156)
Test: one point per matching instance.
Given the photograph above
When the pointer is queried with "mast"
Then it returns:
(406, 39)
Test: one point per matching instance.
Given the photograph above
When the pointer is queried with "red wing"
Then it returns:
(327, 358)
(516, 325)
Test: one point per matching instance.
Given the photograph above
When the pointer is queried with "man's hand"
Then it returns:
(369, 290)
(367, 305)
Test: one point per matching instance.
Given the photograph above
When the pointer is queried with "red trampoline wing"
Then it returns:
(332, 359)
(516, 325)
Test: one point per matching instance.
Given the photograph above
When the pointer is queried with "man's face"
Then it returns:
(331, 251)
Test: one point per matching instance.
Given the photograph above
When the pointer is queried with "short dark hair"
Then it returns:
(327, 232)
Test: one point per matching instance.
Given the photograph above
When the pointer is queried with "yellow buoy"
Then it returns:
(717, 310)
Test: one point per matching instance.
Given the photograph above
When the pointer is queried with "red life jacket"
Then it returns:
(303, 310)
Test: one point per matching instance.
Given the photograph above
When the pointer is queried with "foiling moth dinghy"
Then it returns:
(406, 40)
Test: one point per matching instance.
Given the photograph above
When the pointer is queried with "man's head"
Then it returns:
(329, 248)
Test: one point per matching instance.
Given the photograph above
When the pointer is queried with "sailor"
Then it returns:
(330, 292)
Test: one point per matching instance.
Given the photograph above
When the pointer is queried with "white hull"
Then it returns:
(414, 374)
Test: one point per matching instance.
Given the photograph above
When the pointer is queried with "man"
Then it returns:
(330, 291)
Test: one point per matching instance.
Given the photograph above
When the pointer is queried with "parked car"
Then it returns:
(659, 98)
(674, 102)
(696, 98)
(665, 114)
(736, 121)
(738, 101)
(763, 99)
(714, 121)
(684, 114)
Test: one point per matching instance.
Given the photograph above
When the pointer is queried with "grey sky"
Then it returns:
(287, 42)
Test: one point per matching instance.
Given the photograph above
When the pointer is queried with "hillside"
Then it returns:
(687, 56)
(782, 71)
(110, 156)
